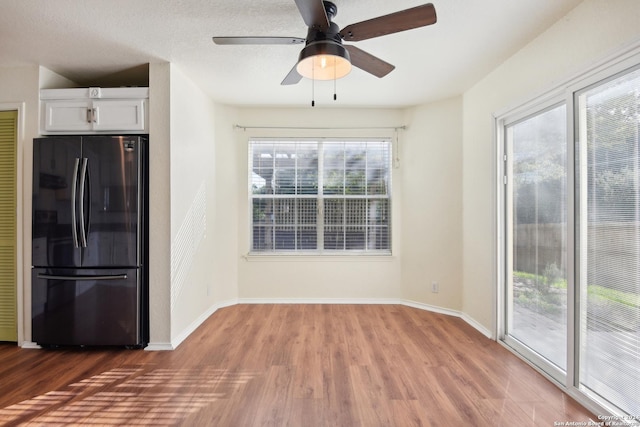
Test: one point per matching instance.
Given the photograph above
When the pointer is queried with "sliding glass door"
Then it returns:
(570, 295)
(537, 218)
(608, 123)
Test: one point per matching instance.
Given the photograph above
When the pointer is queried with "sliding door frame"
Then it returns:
(540, 105)
(566, 92)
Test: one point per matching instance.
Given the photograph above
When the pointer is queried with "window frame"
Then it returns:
(321, 197)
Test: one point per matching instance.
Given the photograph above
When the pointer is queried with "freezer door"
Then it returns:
(56, 164)
(111, 209)
(86, 307)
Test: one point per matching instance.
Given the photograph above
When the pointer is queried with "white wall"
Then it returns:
(431, 210)
(592, 30)
(371, 278)
(51, 80)
(159, 206)
(224, 199)
(203, 265)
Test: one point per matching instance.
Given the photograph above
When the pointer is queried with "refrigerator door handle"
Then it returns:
(74, 184)
(86, 278)
(83, 181)
(87, 195)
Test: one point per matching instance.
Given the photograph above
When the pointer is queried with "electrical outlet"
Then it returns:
(435, 287)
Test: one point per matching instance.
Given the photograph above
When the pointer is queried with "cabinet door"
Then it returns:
(69, 116)
(118, 115)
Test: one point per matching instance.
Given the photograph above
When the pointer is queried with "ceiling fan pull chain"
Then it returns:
(335, 97)
(313, 86)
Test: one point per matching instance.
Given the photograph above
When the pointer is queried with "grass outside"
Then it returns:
(546, 295)
(596, 292)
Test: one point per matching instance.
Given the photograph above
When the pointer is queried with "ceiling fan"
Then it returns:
(324, 57)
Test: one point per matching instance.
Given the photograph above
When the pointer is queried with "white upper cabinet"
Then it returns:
(94, 110)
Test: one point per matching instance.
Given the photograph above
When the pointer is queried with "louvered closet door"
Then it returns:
(8, 316)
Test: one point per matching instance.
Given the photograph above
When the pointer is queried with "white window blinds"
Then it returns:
(609, 129)
(320, 196)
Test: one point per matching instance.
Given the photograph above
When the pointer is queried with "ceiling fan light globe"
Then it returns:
(324, 60)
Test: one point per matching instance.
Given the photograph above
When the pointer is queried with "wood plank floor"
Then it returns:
(289, 365)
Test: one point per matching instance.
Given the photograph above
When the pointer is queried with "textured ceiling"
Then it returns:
(86, 40)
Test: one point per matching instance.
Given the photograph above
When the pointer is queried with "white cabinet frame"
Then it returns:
(94, 110)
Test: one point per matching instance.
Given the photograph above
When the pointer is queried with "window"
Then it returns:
(320, 196)
(570, 297)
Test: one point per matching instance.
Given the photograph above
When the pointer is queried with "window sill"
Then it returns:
(316, 257)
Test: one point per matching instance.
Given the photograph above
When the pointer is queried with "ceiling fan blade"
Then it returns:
(403, 20)
(257, 40)
(313, 13)
(369, 63)
(293, 77)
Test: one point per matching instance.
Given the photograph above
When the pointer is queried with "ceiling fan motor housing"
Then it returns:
(332, 34)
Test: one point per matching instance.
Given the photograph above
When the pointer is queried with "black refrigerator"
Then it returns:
(90, 238)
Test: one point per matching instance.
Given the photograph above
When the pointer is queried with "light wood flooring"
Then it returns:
(289, 365)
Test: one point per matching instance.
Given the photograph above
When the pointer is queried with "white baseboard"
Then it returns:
(30, 345)
(432, 308)
(477, 326)
(175, 342)
(470, 320)
(318, 301)
(159, 346)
